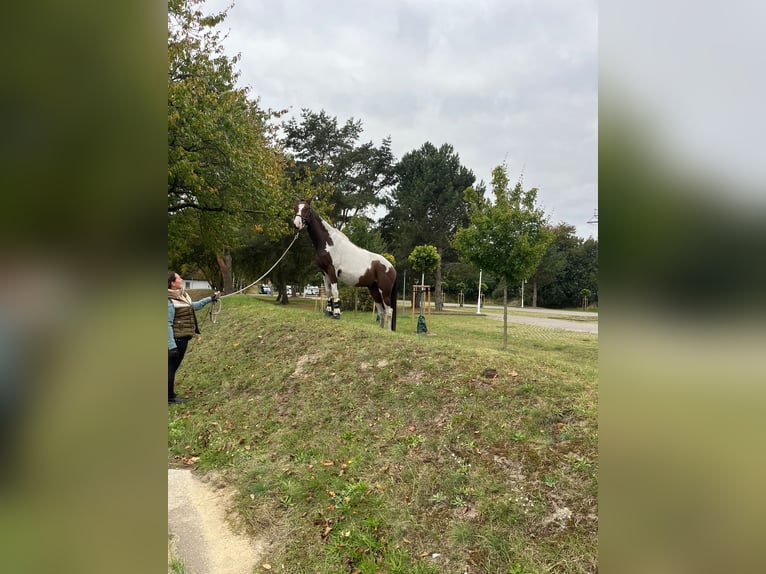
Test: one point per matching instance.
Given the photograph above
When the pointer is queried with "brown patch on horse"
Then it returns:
(379, 277)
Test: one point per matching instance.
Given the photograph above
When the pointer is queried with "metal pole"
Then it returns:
(404, 290)
(522, 293)
(478, 302)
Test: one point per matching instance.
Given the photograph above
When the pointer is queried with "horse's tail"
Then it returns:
(393, 306)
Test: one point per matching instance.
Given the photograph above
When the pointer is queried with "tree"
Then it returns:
(428, 205)
(555, 259)
(224, 171)
(583, 268)
(507, 238)
(569, 265)
(424, 258)
(356, 175)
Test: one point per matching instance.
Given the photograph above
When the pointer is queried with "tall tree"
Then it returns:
(224, 171)
(356, 174)
(554, 262)
(569, 266)
(508, 237)
(428, 206)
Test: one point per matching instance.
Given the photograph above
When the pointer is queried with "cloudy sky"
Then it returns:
(512, 80)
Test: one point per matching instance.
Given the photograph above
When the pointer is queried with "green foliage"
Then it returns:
(554, 261)
(508, 238)
(427, 206)
(467, 273)
(353, 175)
(224, 172)
(569, 265)
(176, 566)
(424, 258)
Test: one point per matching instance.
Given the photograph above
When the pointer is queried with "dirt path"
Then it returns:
(202, 537)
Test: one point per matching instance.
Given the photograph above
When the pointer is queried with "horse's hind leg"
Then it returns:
(381, 313)
(386, 316)
(380, 304)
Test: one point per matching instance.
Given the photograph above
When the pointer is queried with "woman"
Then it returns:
(182, 326)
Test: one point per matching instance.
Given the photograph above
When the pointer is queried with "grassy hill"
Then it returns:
(359, 450)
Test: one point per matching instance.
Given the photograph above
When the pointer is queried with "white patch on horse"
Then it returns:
(350, 261)
(298, 220)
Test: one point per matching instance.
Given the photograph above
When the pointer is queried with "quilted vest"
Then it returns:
(185, 320)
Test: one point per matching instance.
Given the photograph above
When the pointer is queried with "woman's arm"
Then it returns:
(171, 316)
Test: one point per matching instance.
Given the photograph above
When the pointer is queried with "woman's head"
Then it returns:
(174, 280)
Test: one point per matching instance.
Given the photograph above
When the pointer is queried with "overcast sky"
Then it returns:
(513, 80)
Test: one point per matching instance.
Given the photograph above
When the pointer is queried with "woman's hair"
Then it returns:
(171, 276)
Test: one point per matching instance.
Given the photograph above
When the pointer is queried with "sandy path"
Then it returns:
(203, 538)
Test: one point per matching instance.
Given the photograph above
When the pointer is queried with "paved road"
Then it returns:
(542, 317)
(578, 326)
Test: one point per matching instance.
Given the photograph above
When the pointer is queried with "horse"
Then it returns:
(339, 258)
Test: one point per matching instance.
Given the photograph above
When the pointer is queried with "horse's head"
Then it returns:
(302, 213)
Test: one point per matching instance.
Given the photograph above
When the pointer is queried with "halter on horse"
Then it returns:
(338, 258)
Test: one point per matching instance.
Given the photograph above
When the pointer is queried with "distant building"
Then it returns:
(196, 284)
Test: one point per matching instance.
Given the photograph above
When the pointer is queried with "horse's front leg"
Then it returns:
(335, 300)
(329, 294)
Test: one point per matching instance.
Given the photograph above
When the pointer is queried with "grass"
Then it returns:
(360, 450)
(175, 565)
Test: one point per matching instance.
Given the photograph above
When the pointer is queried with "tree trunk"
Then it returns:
(279, 278)
(282, 294)
(224, 265)
(534, 293)
(505, 315)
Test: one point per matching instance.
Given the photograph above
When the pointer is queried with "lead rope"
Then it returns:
(213, 309)
(215, 306)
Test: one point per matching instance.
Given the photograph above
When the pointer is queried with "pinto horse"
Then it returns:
(338, 258)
